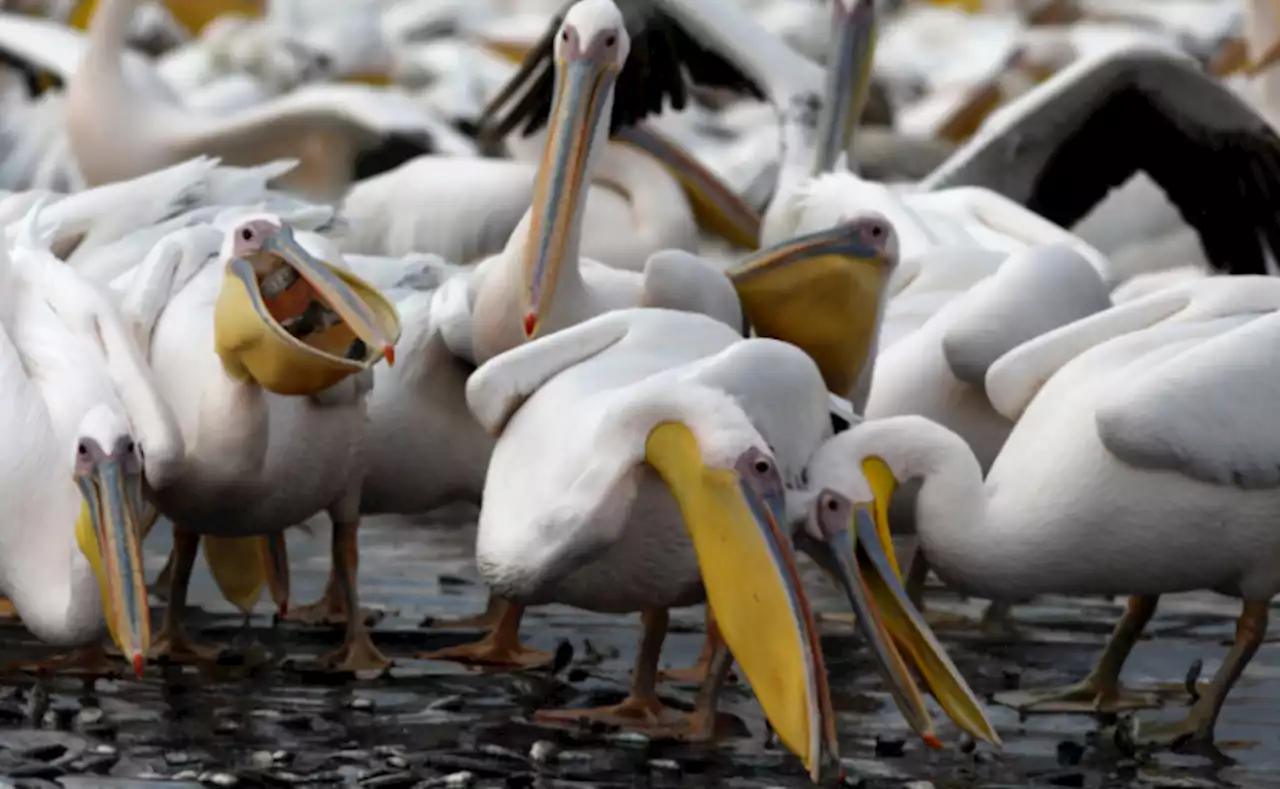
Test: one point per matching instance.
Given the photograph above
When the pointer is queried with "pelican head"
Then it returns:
(290, 322)
(849, 60)
(108, 471)
(590, 48)
(853, 546)
(821, 292)
(731, 494)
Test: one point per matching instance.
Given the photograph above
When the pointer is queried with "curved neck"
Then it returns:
(109, 32)
(655, 197)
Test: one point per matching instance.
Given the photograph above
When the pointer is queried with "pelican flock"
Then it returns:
(680, 297)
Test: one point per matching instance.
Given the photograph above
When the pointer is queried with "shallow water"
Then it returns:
(427, 721)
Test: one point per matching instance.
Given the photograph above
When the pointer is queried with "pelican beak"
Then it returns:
(716, 207)
(821, 293)
(849, 66)
(735, 519)
(331, 291)
(108, 532)
(583, 86)
(855, 553)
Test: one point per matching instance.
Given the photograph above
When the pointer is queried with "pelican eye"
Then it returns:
(763, 466)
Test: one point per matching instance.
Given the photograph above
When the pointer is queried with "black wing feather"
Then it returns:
(1225, 184)
(664, 62)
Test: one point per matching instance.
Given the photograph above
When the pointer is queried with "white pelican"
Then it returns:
(256, 462)
(669, 426)
(1135, 428)
(124, 120)
(89, 429)
(1142, 108)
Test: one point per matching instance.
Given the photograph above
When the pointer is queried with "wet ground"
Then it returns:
(437, 724)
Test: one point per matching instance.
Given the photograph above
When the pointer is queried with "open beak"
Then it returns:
(716, 207)
(331, 289)
(753, 588)
(820, 292)
(582, 89)
(858, 557)
(849, 66)
(108, 533)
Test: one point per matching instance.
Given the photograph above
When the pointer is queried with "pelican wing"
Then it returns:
(1061, 147)
(667, 57)
(1033, 292)
(1206, 413)
(58, 49)
(496, 390)
(279, 123)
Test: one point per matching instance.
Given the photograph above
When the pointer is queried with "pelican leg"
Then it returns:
(1100, 691)
(357, 652)
(90, 661)
(997, 620)
(642, 709)
(276, 560)
(331, 608)
(699, 673)
(486, 620)
(703, 726)
(160, 586)
(172, 642)
(1196, 729)
(500, 647)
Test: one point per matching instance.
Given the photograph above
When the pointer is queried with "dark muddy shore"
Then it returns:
(440, 725)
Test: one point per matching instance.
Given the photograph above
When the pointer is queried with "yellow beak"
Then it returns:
(821, 293)
(857, 556)
(323, 326)
(242, 566)
(193, 14)
(582, 89)
(715, 206)
(108, 533)
(753, 588)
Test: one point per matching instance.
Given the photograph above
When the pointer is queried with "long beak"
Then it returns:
(849, 66)
(754, 591)
(858, 559)
(716, 207)
(336, 294)
(778, 286)
(108, 533)
(583, 88)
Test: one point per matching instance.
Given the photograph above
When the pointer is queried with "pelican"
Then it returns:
(124, 120)
(258, 461)
(667, 431)
(1117, 461)
(91, 435)
(1143, 107)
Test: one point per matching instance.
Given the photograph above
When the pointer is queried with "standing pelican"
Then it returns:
(1135, 427)
(88, 429)
(228, 337)
(669, 426)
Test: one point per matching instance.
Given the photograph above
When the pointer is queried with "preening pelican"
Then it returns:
(667, 431)
(259, 462)
(1142, 108)
(124, 120)
(1135, 427)
(88, 428)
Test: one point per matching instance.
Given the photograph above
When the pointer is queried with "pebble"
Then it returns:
(262, 760)
(178, 758)
(918, 785)
(218, 779)
(574, 757)
(629, 738)
(281, 756)
(460, 780)
(665, 765)
(50, 721)
(398, 762)
(888, 747)
(186, 775)
(1070, 753)
(89, 716)
(360, 703)
(389, 750)
(447, 703)
(543, 751)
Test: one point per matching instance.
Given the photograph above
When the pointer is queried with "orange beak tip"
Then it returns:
(390, 352)
(932, 741)
(139, 663)
(530, 323)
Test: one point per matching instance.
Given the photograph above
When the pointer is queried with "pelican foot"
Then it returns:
(481, 621)
(488, 652)
(691, 675)
(328, 610)
(173, 645)
(635, 713)
(356, 654)
(947, 620)
(86, 662)
(1085, 697)
(1187, 735)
